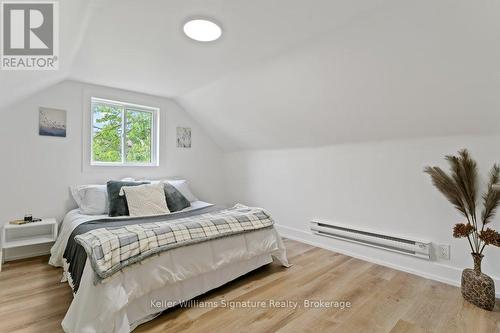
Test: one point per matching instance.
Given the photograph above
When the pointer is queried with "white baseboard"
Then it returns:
(433, 271)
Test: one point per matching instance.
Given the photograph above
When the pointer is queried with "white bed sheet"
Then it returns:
(124, 301)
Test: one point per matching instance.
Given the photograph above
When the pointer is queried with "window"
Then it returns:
(123, 134)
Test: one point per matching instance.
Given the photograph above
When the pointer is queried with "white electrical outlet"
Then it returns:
(443, 251)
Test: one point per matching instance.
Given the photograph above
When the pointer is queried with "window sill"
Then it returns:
(124, 165)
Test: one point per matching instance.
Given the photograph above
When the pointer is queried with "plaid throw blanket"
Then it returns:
(111, 249)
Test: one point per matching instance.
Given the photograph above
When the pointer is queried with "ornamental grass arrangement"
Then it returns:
(461, 187)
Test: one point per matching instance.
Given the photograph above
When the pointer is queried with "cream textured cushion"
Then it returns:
(145, 200)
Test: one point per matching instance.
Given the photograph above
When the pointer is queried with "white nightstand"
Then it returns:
(14, 235)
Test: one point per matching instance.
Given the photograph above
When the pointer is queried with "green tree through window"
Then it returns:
(121, 133)
(138, 145)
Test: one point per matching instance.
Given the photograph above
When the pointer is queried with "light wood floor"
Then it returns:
(383, 300)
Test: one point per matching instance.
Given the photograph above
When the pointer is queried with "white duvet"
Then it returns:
(125, 300)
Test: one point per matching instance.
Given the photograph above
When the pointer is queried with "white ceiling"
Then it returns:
(139, 45)
(412, 69)
(292, 73)
(18, 84)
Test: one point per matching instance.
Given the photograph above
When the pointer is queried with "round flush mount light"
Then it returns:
(202, 30)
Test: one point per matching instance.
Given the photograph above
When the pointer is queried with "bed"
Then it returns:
(141, 291)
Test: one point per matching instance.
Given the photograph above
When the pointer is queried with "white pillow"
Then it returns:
(146, 200)
(91, 199)
(127, 179)
(183, 187)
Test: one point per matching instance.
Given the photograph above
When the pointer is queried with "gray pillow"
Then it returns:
(118, 204)
(175, 200)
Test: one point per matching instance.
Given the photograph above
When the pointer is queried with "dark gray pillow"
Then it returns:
(118, 204)
(175, 200)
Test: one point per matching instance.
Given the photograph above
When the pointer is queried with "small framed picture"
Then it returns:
(183, 137)
(52, 122)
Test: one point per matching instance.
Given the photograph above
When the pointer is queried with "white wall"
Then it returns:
(377, 185)
(38, 170)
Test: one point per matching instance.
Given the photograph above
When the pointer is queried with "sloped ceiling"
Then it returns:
(139, 45)
(412, 69)
(293, 73)
(15, 85)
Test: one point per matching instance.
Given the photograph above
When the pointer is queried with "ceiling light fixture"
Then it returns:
(202, 30)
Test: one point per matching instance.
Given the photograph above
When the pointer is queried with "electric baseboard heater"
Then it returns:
(408, 246)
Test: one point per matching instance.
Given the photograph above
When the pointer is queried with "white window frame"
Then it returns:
(155, 131)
